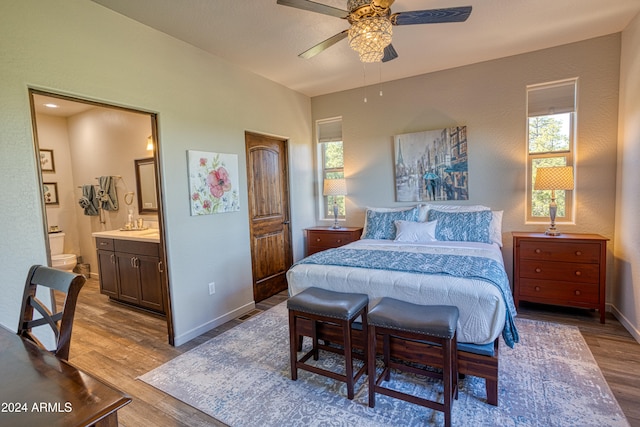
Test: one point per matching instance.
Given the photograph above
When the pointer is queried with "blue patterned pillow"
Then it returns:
(462, 226)
(380, 225)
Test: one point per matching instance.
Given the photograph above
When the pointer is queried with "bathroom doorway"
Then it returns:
(90, 173)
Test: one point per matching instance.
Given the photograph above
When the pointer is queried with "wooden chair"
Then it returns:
(61, 322)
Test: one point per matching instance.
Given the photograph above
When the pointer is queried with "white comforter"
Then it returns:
(481, 305)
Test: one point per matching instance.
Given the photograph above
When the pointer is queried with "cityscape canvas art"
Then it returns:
(431, 165)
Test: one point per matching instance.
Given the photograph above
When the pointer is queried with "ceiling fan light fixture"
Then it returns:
(369, 36)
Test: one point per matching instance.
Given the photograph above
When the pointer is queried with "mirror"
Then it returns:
(146, 185)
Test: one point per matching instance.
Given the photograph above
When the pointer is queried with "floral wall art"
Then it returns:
(213, 182)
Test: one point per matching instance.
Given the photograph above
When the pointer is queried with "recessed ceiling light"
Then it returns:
(51, 105)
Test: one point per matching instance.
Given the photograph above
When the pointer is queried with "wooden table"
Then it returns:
(38, 389)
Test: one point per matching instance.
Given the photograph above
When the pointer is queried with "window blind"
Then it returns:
(551, 99)
(330, 130)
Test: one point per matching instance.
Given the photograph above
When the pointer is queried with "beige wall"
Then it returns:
(77, 47)
(626, 297)
(489, 98)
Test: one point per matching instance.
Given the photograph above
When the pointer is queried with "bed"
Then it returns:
(429, 255)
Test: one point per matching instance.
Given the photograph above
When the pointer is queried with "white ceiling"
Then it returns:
(266, 38)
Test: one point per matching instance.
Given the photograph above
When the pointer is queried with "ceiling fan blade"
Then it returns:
(323, 45)
(432, 16)
(315, 7)
(389, 53)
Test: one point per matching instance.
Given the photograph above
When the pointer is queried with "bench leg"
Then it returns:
(348, 355)
(293, 345)
(371, 367)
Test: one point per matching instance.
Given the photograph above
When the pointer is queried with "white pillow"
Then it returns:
(415, 232)
(495, 228)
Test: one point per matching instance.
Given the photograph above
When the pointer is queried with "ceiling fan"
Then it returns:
(371, 25)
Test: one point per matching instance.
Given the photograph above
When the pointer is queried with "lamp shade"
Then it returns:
(335, 187)
(554, 178)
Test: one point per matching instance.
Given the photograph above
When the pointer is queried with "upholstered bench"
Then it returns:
(324, 306)
(430, 325)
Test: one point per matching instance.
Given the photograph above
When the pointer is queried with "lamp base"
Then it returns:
(552, 232)
(335, 225)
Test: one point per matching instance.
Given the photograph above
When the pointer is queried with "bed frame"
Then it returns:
(469, 363)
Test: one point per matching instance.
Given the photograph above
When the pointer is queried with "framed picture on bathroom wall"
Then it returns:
(50, 193)
(46, 161)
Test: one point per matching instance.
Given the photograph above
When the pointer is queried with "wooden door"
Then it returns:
(268, 188)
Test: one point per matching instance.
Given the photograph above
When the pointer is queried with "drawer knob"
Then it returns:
(339, 241)
(578, 253)
(577, 292)
(578, 273)
(537, 288)
(538, 270)
(317, 239)
(538, 251)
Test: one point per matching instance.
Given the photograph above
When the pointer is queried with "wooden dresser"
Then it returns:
(321, 238)
(567, 270)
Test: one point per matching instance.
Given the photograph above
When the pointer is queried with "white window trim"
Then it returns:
(322, 212)
(571, 160)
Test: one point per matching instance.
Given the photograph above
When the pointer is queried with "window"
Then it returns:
(331, 164)
(551, 118)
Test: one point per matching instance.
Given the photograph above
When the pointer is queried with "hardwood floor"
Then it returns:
(117, 344)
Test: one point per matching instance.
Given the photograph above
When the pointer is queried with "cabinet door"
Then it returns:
(128, 275)
(107, 272)
(150, 283)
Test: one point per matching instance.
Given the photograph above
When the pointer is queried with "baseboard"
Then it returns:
(635, 333)
(193, 333)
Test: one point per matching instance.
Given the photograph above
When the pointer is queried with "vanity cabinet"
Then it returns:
(131, 272)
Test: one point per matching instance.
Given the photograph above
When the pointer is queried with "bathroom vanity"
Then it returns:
(130, 268)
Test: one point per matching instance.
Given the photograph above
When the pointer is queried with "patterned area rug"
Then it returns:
(242, 378)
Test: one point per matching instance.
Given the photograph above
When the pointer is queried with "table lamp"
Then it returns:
(554, 178)
(335, 187)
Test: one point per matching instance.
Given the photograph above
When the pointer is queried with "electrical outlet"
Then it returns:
(212, 288)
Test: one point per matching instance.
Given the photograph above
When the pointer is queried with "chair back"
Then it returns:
(59, 318)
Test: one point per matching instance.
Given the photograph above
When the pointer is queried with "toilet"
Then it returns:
(60, 260)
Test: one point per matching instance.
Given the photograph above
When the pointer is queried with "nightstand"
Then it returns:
(567, 270)
(321, 238)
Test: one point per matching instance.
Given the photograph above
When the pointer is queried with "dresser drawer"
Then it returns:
(560, 251)
(138, 248)
(328, 239)
(104, 244)
(565, 271)
(569, 293)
